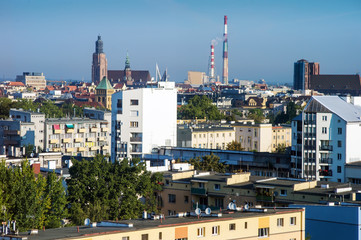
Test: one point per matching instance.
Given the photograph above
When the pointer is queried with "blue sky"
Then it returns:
(266, 37)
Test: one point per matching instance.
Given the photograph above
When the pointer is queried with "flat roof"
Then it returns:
(71, 120)
(139, 224)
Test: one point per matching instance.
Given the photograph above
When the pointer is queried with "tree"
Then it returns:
(235, 146)
(50, 110)
(208, 163)
(199, 107)
(256, 115)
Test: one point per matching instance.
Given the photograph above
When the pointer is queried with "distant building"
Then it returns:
(197, 78)
(303, 70)
(103, 93)
(143, 119)
(281, 137)
(336, 84)
(33, 80)
(254, 136)
(100, 64)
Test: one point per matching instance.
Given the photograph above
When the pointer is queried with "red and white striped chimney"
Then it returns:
(211, 74)
(225, 52)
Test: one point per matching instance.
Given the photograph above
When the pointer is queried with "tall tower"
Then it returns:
(211, 73)
(100, 65)
(225, 53)
(103, 93)
(302, 73)
(127, 70)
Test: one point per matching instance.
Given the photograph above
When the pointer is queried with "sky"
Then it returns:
(265, 37)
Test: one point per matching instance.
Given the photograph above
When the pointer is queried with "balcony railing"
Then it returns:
(310, 160)
(11, 132)
(309, 147)
(135, 139)
(264, 198)
(326, 173)
(198, 191)
(326, 147)
(136, 150)
(326, 160)
(310, 135)
(308, 122)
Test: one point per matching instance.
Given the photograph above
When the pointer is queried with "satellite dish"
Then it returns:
(246, 207)
(87, 222)
(198, 211)
(31, 154)
(66, 161)
(208, 211)
(230, 205)
(234, 206)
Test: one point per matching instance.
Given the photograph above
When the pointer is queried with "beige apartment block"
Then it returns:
(254, 136)
(281, 136)
(197, 78)
(270, 224)
(209, 137)
(31, 79)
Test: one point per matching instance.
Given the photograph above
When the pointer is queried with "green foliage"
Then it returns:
(25, 198)
(281, 148)
(199, 107)
(256, 115)
(50, 110)
(101, 190)
(28, 150)
(208, 163)
(235, 146)
(68, 109)
(291, 112)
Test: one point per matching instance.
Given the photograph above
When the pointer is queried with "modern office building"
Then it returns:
(143, 119)
(325, 137)
(302, 72)
(269, 224)
(100, 64)
(33, 80)
(204, 136)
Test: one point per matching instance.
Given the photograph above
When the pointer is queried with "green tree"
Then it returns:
(235, 146)
(199, 107)
(256, 115)
(208, 163)
(51, 110)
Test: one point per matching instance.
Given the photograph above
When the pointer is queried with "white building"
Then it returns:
(32, 79)
(326, 137)
(143, 119)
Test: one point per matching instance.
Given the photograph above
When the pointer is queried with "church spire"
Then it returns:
(127, 62)
(99, 45)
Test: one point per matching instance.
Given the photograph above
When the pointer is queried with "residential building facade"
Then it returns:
(32, 79)
(281, 137)
(143, 119)
(254, 136)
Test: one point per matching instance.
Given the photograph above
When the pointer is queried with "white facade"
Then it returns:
(143, 119)
(31, 79)
(331, 129)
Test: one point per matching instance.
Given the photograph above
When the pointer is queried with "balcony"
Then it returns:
(136, 139)
(94, 148)
(310, 135)
(69, 150)
(81, 130)
(11, 133)
(198, 191)
(94, 129)
(56, 150)
(105, 147)
(90, 139)
(264, 198)
(326, 148)
(105, 129)
(136, 150)
(54, 141)
(78, 140)
(325, 173)
(69, 130)
(325, 160)
(309, 122)
(309, 160)
(66, 140)
(81, 149)
(57, 131)
(101, 138)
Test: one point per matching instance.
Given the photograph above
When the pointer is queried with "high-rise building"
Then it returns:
(143, 119)
(100, 65)
(325, 138)
(302, 73)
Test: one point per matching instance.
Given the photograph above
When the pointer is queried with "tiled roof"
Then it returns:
(335, 82)
(16, 84)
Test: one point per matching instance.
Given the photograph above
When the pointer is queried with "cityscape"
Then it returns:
(180, 120)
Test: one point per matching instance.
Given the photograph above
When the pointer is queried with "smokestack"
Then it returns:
(211, 72)
(225, 53)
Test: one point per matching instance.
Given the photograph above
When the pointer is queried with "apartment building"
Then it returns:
(204, 136)
(187, 190)
(32, 79)
(143, 119)
(254, 136)
(281, 137)
(77, 136)
(270, 224)
(325, 137)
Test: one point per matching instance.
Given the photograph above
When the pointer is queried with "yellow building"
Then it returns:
(254, 136)
(268, 224)
(103, 93)
(281, 137)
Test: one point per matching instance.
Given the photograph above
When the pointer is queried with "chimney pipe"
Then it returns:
(225, 52)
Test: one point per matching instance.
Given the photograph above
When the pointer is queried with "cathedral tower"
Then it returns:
(100, 65)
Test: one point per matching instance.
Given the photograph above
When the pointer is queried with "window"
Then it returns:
(133, 124)
(324, 130)
(171, 198)
(195, 135)
(292, 220)
(145, 237)
(125, 238)
(339, 143)
(339, 156)
(245, 225)
(232, 227)
(134, 113)
(215, 230)
(201, 232)
(263, 232)
(339, 131)
(324, 118)
(134, 102)
(160, 236)
(217, 186)
(283, 192)
(279, 222)
(339, 169)
(201, 185)
(186, 199)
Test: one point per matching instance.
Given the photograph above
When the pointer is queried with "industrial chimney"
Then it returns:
(225, 53)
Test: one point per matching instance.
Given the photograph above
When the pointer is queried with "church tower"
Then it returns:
(127, 70)
(100, 65)
(103, 93)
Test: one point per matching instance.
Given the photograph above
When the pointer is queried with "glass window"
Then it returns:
(232, 226)
(280, 222)
(293, 221)
(134, 102)
(263, 232)
(215, 230)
